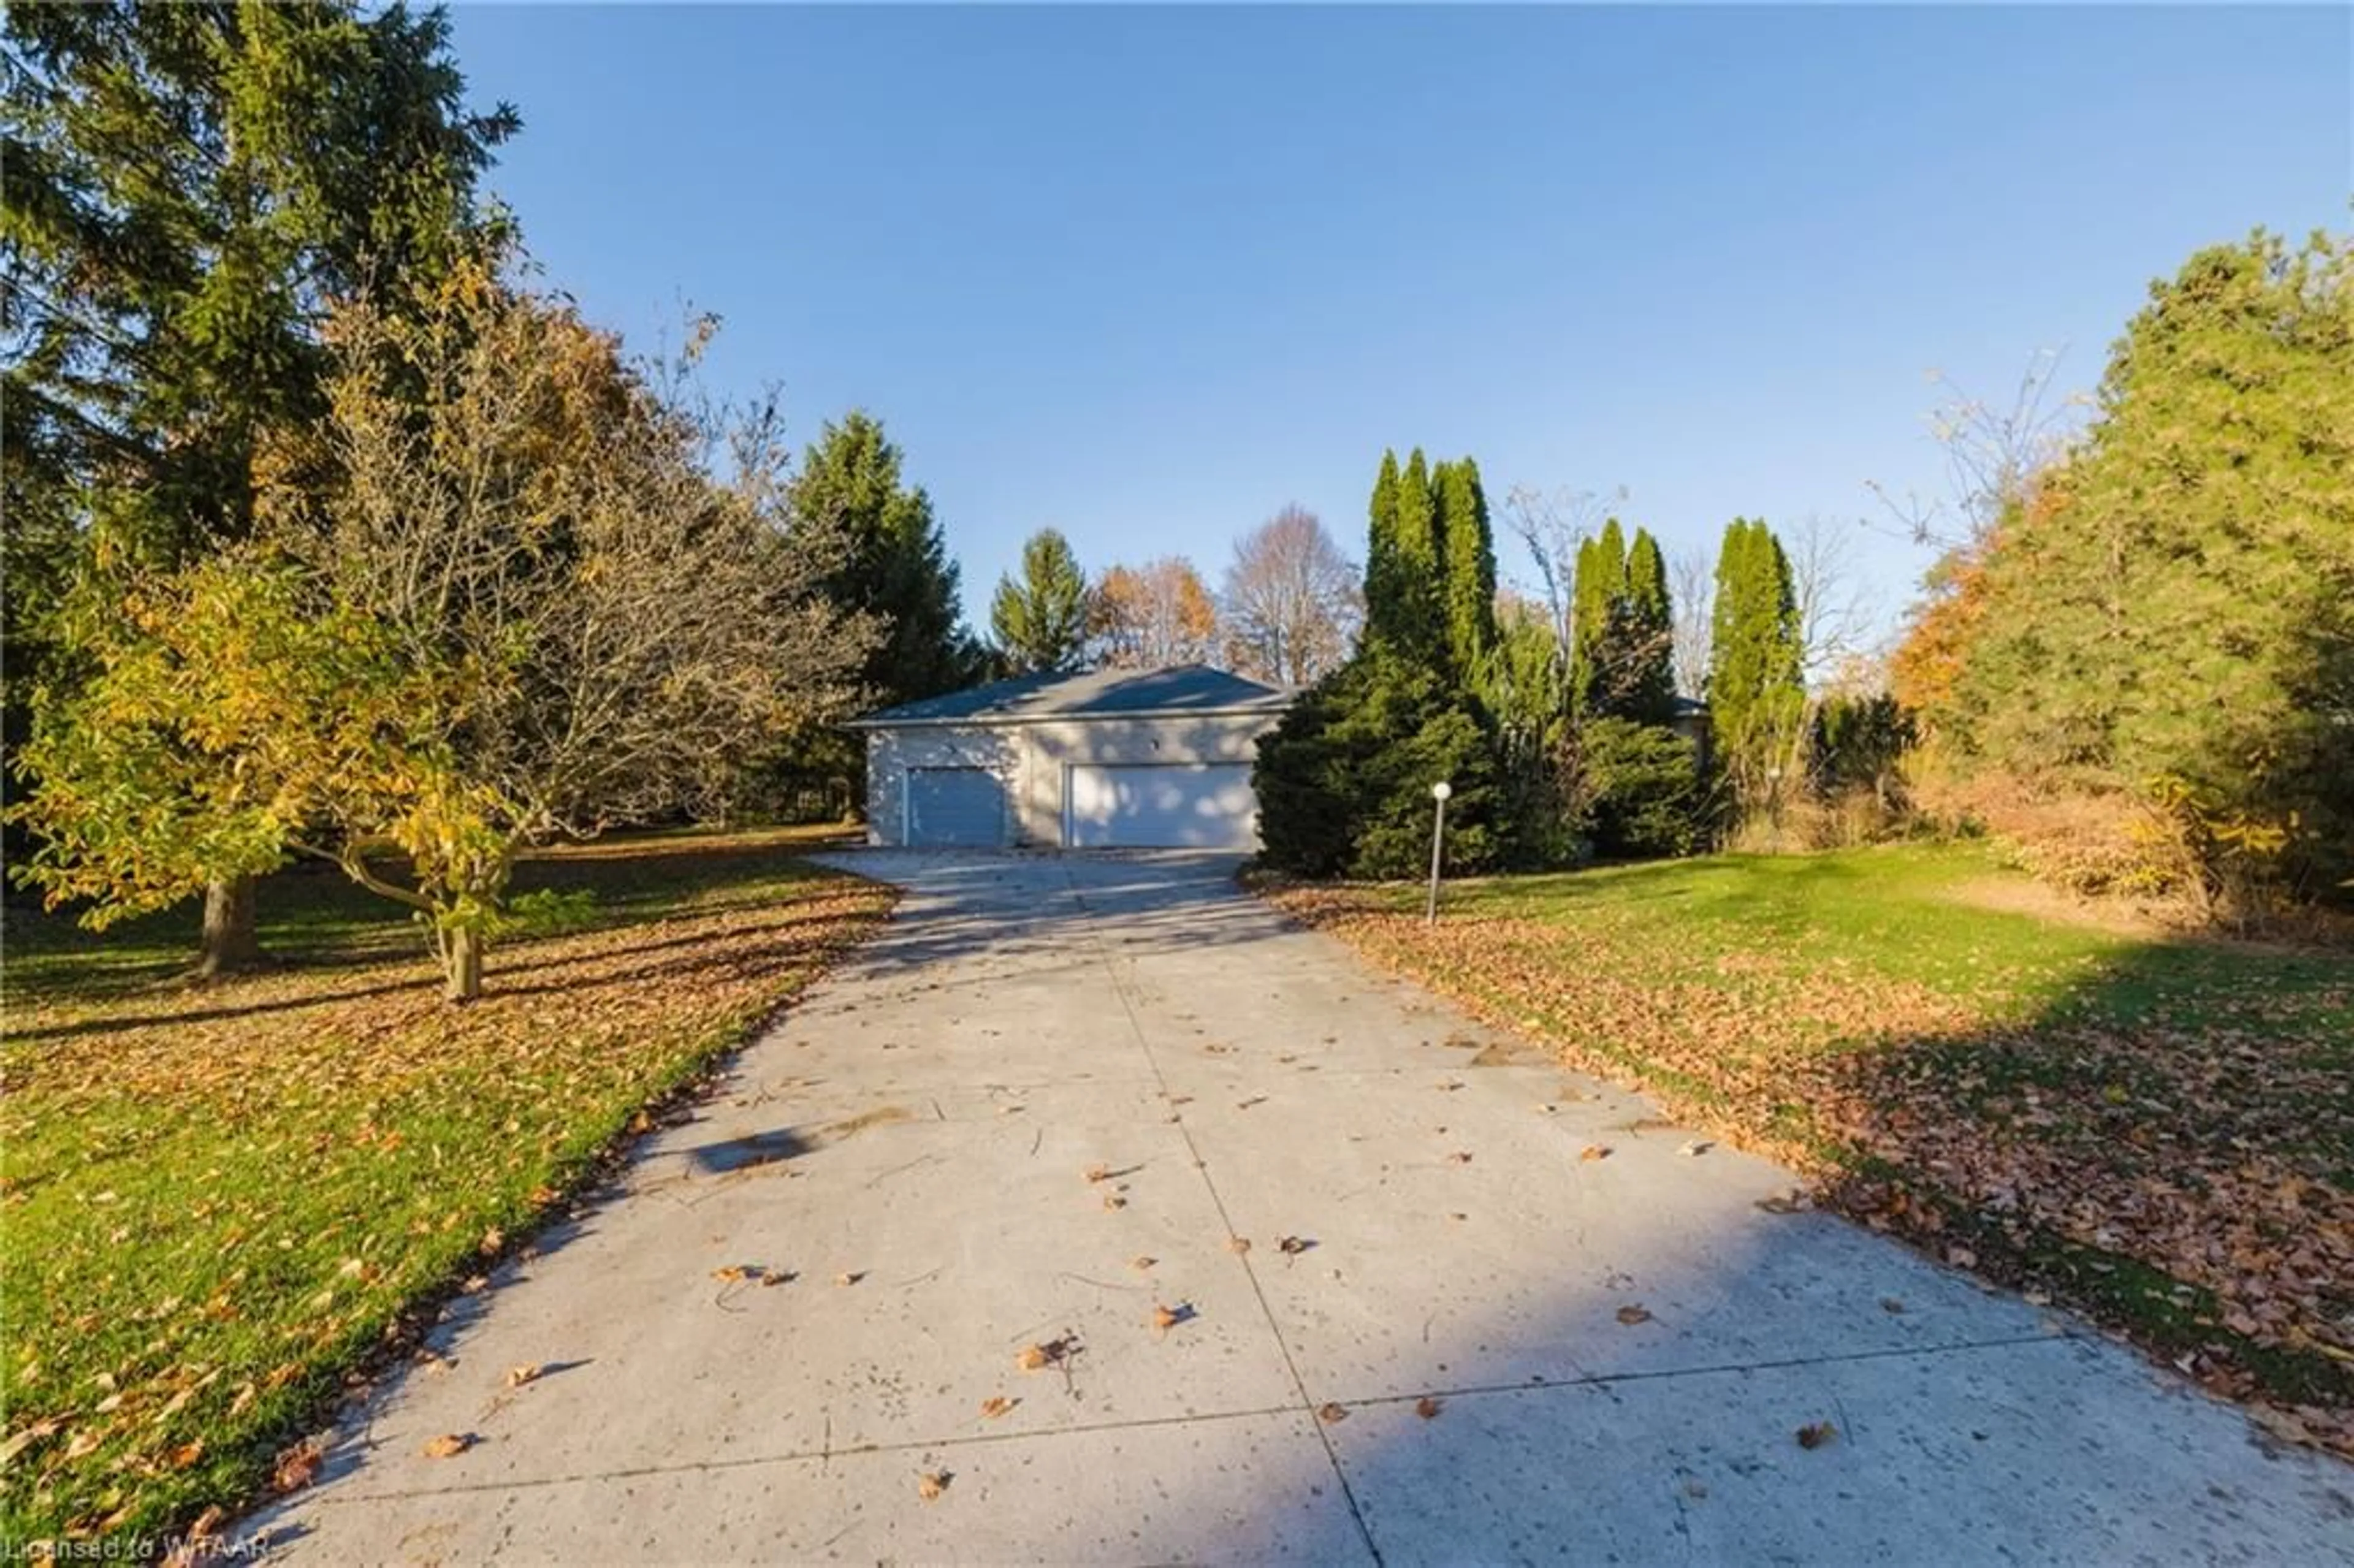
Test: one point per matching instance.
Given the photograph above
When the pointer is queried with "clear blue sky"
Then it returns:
(1145, 275)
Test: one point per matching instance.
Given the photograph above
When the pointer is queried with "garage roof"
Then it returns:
(1180, 689)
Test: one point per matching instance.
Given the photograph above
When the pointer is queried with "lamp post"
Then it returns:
(1773, 806)
(1438, 793)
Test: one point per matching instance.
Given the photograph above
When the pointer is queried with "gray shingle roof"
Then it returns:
(1178, 689)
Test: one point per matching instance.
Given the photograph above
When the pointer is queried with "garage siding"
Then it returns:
(1033, 760)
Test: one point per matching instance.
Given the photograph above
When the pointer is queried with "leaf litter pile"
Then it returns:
(2159, 1134)
(222, 1201)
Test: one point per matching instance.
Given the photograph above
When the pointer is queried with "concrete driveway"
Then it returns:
(1476, 1345)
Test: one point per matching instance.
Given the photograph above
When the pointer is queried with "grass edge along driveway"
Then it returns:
(224, 1205)
(2158, 1133)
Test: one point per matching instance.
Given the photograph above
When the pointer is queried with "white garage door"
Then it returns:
(1203, 805)
(955, 806)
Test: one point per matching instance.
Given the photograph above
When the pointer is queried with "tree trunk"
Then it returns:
(462, 965)
(230, 942)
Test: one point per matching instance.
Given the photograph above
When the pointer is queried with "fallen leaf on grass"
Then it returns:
(1595, 1151)
(448, 1445)
(185, 1455)
(1815, 1433)
(1331, 1414)
(1630, 1316)
(931, 1484)
(995, 1406)
(518, 1376)
(1427, 1407)
(207, 1523)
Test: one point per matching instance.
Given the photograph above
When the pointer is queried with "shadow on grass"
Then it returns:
(313, 919)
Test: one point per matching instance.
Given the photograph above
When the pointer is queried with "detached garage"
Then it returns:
(1109, 759)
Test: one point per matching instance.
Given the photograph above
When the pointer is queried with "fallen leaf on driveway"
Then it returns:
(297, 1467)
(995, 1406)
(1114, 1201)
(448, 1445)
(1815, 1433)
(1331, 1414)
(518, 1376)
(1427, 1407)
(931, 1484)
(1238, 1244)
(1037, 1358)
(846, 1277)
(1697, 1146)
(1595, 1151)
(1097, 1173)
(1460, 1157)
(1140, 1263)
(1633, 1315)
(1292, 1245)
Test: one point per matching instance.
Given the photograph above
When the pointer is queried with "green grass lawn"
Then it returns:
(222, 1201)
(2157, 1130)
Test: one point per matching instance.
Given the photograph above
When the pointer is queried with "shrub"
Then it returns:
(1344, 781)
(1638, 788)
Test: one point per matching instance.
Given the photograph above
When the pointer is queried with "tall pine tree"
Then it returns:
(895, 563)
(1651, 683)
(1467, 551)
(1598, 601)
(1756, 690)
(1384, 571)
(1040, 619)
(1415, 625)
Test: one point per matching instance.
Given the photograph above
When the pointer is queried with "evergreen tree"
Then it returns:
(1650, 632)
(1040, 620)
(1343, 782)
(1414, 621)
(1597, 609)
(1384, 570)
(1756, 691)
(1468, 557)
(895, 563)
